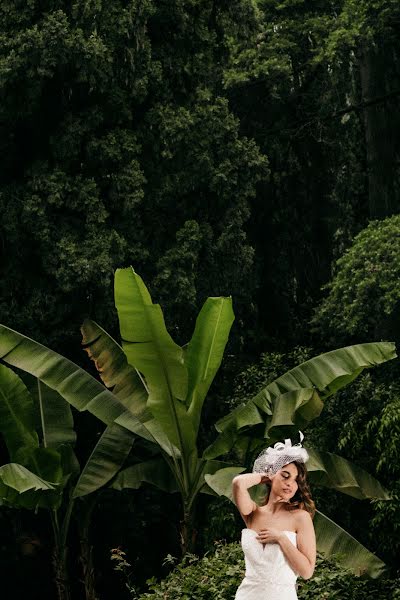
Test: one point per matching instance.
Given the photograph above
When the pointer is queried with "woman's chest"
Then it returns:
(261, 521)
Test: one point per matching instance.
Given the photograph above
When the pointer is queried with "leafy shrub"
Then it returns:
(364, 294)
(217, 577)
(213, 577)
(331, 581)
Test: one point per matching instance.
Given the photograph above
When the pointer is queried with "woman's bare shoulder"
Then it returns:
(302, 516)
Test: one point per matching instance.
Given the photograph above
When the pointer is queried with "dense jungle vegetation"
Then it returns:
(243, 148)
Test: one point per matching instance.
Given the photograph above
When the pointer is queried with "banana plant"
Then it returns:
(157, 391)
(178, 380)
(47, 450)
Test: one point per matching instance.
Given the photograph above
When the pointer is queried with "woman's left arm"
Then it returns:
(302, 558)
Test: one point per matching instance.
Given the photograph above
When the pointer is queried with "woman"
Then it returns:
(279, 539)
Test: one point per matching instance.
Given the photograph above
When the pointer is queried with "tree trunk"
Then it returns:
(187, 532)
(86, 557)
(61, 573)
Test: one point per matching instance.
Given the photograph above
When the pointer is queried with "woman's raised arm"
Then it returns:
(241, 496)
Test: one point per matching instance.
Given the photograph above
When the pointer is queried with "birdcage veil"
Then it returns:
(273, 458)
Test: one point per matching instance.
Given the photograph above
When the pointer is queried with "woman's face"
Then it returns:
(285, 482)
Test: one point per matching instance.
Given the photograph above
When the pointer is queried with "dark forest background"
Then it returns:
(222, 147)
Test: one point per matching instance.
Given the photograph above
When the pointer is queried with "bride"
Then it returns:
(279, 540)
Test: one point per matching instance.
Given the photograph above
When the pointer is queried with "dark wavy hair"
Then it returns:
(302, 498)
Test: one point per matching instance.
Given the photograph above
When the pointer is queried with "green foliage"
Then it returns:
(363, 296)
(217, 576)
(113, 126)
(330, 581)
(361, 421)
(259, 373)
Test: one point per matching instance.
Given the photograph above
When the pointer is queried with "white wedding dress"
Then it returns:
(268, 574)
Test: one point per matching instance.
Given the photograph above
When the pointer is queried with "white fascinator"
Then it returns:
(273, 458)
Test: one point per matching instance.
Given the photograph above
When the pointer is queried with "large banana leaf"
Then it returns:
(330, 470)
(332, 540)
(283, 401)
(150, 349)
(74, 384)
(105, 461)
(17, 423)
(154, 471)
(221, 481)
(47, 464)
(111, 363)
(296, 407)
(150, 430)
(56, 418)
(205, 351)
(21, 487)
(327, 373)
(127, 385)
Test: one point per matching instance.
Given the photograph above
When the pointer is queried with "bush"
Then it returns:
(364, 294)
(213, 577)
(217, 577)
(331, 581)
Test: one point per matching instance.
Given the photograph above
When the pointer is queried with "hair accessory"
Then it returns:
(273, 458)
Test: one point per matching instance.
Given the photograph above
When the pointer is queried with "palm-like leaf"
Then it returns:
(21, 487)
(333, 471)
(332, 540)
(221, 481)
(76, 386)
(327, 373)
(105, 461)
(296, 397)
(150, 349)
(154, 471)
(56, 418)
(205, 351)
(126, 383)
(16, 413)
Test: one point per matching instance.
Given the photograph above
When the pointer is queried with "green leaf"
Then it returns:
(154, 471)
(17, 423)
(46, 463)
(116, 373)
(74, 384)
(333, 471)
(150, 349)
(56, 418)
(297, 407)
(205, 351)
(18, 478)
(223, 443)
(327, 373)
(150, 430)
(105, 461)
(332, 540)
(221, 481)
(43, 462)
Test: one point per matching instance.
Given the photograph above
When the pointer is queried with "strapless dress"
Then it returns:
(268, 574)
